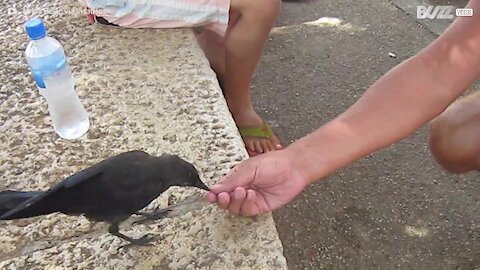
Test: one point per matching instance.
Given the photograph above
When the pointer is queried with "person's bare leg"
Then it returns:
(455, 135)
(244, 44)
(214, 48)
(240, 51)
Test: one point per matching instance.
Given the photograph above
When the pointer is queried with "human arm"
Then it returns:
(402, 100)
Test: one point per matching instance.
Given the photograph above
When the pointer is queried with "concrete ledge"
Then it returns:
(144, 89)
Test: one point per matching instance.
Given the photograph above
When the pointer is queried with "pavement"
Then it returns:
(395, 209)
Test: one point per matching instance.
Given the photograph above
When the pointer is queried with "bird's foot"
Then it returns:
(151, 216)
(142, 241)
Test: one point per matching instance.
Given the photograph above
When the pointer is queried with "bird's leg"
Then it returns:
(142, 241)
(150, 216)
(176, 210)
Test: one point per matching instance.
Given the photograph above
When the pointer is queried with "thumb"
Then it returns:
(241, 176)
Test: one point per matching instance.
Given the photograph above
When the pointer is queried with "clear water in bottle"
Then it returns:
(69, 118)
(54, 79)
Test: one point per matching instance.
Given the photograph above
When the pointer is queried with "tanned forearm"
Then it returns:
(404, 99)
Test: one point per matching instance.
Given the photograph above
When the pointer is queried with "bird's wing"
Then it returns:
(82, 176)
(97, 169)
(34, 207)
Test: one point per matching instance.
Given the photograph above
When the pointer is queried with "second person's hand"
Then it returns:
(259, 185)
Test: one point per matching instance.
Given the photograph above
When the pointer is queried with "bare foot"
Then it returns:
(255, 145)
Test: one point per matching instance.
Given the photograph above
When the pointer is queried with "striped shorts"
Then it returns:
(212, 14)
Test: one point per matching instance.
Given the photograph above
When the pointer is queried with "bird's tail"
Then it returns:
(10, 199)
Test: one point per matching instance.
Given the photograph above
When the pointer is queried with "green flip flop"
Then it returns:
(264, 131)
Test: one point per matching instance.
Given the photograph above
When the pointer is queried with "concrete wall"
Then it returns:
(151, 90)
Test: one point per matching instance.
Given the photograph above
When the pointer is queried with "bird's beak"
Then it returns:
(201, 185)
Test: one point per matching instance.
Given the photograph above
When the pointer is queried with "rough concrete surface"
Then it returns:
(395, 209)
(144, 89)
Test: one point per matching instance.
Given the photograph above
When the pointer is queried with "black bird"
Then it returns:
(109, 191)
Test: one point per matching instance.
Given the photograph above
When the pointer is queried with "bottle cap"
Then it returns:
(35, 28)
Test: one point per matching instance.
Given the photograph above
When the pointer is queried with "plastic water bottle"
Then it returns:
(52, 74)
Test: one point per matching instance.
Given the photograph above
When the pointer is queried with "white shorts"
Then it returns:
(213, 14)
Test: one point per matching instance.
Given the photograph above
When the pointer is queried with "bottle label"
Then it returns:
(39, 75)
(38, 78)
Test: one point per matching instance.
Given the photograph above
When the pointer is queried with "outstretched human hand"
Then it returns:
(259, 185)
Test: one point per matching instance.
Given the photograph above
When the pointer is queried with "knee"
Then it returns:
(272, 7)
(265, 9)
(440, 143)
(453, 142)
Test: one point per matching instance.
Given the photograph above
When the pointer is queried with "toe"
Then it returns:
(258, 147)
(270, 145)
(249, 144)
(252, 153)
(265, 146)
(276, 142)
